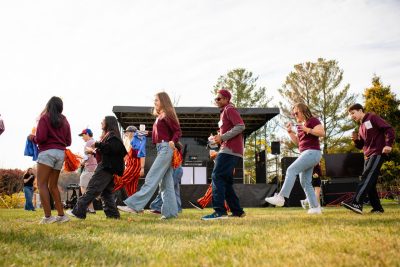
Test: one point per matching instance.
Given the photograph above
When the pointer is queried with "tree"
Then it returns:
(246, 94)
(317, 84)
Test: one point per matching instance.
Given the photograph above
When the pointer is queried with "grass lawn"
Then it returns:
(266, 237)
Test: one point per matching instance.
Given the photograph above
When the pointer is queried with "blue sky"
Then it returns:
(98, 54)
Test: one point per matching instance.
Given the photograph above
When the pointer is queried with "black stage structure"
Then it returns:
(197, 123)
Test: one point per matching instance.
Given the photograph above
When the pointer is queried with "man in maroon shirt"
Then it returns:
(375, 137)
(230, 137)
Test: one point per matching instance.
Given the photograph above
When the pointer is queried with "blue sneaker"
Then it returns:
(214, 216)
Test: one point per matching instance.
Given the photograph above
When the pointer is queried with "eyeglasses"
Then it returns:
(217, 99)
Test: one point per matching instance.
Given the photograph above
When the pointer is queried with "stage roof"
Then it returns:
(195, 121)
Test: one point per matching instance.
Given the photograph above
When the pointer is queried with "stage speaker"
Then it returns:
(333, 193)
(285, 163)
(261, 171)
(275, 148)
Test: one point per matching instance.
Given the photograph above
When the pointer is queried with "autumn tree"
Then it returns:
(318, 85)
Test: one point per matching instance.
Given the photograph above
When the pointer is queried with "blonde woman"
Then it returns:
(166, 133)
(309, 130)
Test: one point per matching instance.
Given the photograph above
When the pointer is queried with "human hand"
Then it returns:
(141, 172)
(289, 127)
(218, 139)
(171, 145)
(354, 136)
(31, 136)
(386, 150)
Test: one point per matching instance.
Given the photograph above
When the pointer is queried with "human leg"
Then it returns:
(157, 171)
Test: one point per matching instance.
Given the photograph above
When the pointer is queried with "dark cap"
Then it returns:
(86, 131)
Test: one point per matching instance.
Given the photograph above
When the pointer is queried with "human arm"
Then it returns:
(292, 135)
(142, 164)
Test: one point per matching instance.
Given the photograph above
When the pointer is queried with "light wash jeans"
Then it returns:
(303, 166)
(159, 173)
(157, 202)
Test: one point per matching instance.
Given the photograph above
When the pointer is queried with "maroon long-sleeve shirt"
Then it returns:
(374, 134)
(48, 137)
(166, 129)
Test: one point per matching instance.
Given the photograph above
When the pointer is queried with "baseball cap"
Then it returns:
(131, 129)
(86, 131)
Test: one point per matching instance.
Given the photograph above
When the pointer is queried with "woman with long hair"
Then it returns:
(166, 133)
(110, 152)
(309, 130)
(53, 135)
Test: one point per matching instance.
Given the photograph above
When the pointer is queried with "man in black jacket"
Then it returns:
(110, 153)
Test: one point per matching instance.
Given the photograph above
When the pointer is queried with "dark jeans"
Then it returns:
(102, 183)
(369, 178)
(28, 191)
(222, 185)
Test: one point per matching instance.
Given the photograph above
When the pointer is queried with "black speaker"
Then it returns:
(285, 163)
(275, 148)
(261, 171)
(333, 193)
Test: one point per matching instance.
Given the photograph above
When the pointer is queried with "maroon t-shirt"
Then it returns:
(374, 134)
(48, 137)
(309, 141)
(228, 119)
(166, 129)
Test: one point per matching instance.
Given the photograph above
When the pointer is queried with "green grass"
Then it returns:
(266, 237)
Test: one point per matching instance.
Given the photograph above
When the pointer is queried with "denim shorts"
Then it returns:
(52, 157)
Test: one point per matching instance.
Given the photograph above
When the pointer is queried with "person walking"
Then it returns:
(29, 178)
(88, 164)
(166, 133)
(53, 135)
(375, 137)
(110, 152)
(230, 137)
(309, 130)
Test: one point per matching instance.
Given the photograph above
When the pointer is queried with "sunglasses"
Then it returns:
(217, 99)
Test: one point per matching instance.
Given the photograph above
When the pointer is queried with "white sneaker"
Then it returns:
(304, 203)
(276, 200)
(46, 220)
(127, 209)
(62, 219)
(316, 210)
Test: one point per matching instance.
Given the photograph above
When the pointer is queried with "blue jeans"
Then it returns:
(157, 202)
(222, 185)
(28, 191)
(303, 166)
(160, 173)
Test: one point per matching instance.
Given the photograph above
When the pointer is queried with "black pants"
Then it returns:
(102, 183)
(369, 178)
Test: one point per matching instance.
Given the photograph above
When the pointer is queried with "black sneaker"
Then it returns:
(377, 210)
(237, 215)
(196, 205)
(353, 207)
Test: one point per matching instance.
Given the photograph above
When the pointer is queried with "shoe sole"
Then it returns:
(212, 219)
(197, 207)
(347, 206)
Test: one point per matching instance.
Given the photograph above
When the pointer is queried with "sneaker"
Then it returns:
(237, 215)
(69, 212)
(377, 211)
(196, 205)
(304, 203)
(276, 200)
(91, 211)
(127, 209)
(316, 210)
(62, 219)
(155, 212)
(353, 207)
(214, 216)
(46, 220)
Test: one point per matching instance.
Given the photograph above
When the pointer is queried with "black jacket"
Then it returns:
(112, 152)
